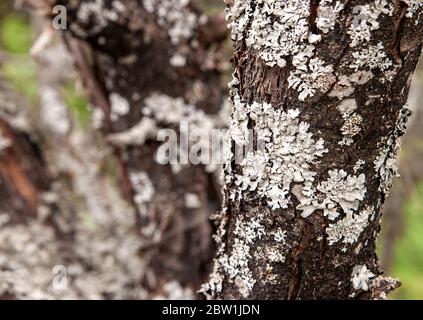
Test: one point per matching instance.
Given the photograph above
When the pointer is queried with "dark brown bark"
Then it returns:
(317, 241)
(126, 54)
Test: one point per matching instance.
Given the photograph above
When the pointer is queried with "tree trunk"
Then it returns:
(146, 66)
(319, 95)
(23, 176)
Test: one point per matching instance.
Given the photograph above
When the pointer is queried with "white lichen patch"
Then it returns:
(286, 152)
(347, 107)
(279, 235)
(173, 290)
(311, 75)
(178, 60)
(54, 111)
(201, 130)
(277, 27)
(414, 9)
(345, 86)
(278, 30)
(365, 20)
(349, 228)
(143, 190)
(339, 191)
(350, 128)
(192, 201)
(372, 57)
(175, 15)
(361, 278)
(385, 164)
(235, 265)
(119, 106)
(96, 15)
(4, 142)
(327, 15)
(137, 135)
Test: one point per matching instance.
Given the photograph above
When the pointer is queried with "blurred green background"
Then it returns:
(400, 246)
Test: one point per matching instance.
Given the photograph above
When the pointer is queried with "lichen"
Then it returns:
(192, 201)
(366, 20)
(385, 163)
(350, 128)
(339, 191)
(235, 265)
(200, 132)
(143, 190)
(327, 15)
(54, 111)
(4, 142)
(349, 228)
(278, 30)
(374, 57)
(176, 16)
(136, 135)
(287, 150)
(311, 75)
(119, 106)
(361, 278)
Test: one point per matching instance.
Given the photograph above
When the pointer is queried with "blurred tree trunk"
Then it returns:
(147, 67)
(319, 93)
(23, 175)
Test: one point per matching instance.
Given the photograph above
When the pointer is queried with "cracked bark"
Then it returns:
(312, 268)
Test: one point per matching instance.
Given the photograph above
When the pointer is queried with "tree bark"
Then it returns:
(146, 66)
(23, 176)
(319, 95)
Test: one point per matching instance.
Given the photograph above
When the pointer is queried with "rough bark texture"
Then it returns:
(147, 65)
(319, 91)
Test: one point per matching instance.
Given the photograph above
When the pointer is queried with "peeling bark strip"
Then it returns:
(323, 85)
(148, 65)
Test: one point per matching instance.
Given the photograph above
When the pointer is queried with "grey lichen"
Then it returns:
(235, 265)
(349, 228)
(176, 16)
(287, 151)
(4, 142)
(279, 30)
(339, 191)
(327, 15)
(361, 277)
(366, 20)
(200, 133)
(385, 164)
(119, 106)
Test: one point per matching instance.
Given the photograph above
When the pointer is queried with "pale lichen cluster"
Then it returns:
(365, 20)
(279, 30)
(235, 264)
(349, 228)
(4, 142)
(385, 164)
(286, 151)
(196, 127)
(176, 16)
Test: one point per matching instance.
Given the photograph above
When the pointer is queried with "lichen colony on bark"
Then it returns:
(323, 86)
(148, 65)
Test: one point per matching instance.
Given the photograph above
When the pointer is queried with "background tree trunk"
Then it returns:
(319, 91)
(146, 66)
